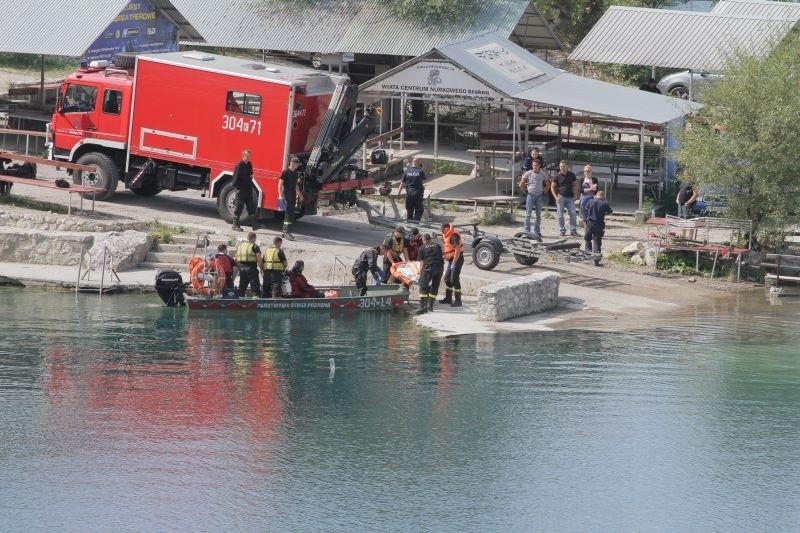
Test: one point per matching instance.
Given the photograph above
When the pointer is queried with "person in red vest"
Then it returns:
(454, 255)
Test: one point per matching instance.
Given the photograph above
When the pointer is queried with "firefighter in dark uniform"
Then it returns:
(414, 182)
(432, 259)
(368, 262)
(274, 266)
(454, 255)
(288, 191)
(243, 183)
(248, 256)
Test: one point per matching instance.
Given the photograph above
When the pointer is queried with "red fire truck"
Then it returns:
(180, 121)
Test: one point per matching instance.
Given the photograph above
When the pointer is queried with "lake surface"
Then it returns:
(124, 415)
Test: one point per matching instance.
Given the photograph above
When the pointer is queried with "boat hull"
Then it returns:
(377, 299)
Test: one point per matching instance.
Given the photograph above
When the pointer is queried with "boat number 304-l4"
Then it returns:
(243, 125)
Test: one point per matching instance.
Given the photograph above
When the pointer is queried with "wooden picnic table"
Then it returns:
(50, 184)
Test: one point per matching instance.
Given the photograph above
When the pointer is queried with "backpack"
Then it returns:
(25, 170)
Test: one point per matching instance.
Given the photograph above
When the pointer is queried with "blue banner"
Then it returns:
(140, 27)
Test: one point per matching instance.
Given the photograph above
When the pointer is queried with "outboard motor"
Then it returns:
(169, 286)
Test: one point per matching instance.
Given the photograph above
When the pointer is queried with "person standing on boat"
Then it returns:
(243, 183)
(225, 266)
(454, 254)
(275, 265)
(248, 256)
(368, 262)
(432, 258)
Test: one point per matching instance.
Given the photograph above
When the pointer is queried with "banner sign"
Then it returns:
(506, 62)
(435, 78)
(140, 27)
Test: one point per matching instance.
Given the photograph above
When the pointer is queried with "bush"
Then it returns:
(163, 233)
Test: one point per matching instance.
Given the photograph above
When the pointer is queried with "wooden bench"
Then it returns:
(628, 156)
(48, 184)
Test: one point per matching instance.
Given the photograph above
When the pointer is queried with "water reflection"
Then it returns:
(164, 419)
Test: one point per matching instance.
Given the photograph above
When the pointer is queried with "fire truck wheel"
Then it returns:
(106, 176)
(226, 202)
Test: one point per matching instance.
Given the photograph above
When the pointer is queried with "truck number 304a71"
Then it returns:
(243, 125)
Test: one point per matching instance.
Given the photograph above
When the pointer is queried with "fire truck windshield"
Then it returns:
(79, 99)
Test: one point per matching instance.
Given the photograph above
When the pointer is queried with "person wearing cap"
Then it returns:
(243, 183)
(414, 182)
(396, 250)
(288, 195)
(414, 244)
(454, 255)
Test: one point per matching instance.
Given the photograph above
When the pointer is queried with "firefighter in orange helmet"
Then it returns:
(454, 255)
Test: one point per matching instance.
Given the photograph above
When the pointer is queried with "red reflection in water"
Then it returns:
(205, 391)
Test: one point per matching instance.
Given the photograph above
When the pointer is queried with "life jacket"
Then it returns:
(245, 253)
(197, 267)
(449, 249)
(272, 260)
(395, 246)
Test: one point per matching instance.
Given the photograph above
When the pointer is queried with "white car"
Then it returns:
(677, 83)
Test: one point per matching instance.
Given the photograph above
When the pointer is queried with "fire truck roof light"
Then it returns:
(100, 63)
(199, 56)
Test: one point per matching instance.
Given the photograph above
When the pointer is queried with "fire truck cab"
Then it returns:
(180, 121)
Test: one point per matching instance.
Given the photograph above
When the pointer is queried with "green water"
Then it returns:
(124, 415)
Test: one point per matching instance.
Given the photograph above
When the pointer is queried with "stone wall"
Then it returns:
(52, 239)
(518, 297)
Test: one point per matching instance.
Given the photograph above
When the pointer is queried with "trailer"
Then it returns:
(527, 249)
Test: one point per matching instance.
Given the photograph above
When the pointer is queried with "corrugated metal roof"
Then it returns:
(360, 26)
(677, 39)
(55, 28)
(759, 8)
(60, 29)
(522, 76)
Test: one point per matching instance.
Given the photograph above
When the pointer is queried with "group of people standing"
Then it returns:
(289, 193)
(566, 190)
(432, 257)
(250, 264)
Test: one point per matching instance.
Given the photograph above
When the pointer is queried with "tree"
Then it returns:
(747, 138)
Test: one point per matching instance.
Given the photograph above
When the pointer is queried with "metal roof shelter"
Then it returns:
(759, 8)
(490, 68)
(50, 28)
(355, 26)
(678, 39)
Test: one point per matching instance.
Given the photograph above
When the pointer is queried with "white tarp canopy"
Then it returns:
(488, 67)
